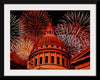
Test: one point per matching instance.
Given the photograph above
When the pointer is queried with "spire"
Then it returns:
(49, 30)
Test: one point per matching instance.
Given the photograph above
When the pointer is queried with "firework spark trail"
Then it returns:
(14, 31)
(23, 48)
(73, 36)
(14, 23)
(33, 23)
(73, 29)
(77, 17)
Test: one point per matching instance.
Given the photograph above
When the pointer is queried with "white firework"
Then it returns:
(73, 37)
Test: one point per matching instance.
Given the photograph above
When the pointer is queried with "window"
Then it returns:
(52, 51)
(46, 52)
(46, 45)
(66, 56)
(35, 61)
(40, 60)
(51, 45)
(58, 52)
(46, 59)
(58, 60)
(62, 61)
(63, 54)
(52, 59)
(49, 31)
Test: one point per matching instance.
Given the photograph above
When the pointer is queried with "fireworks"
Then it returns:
(14, 31)
(74, 31)
(33, 23)
(77, 17)
(23, 48)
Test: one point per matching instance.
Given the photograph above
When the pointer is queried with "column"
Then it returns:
(60, 59)
(33, 61)
(43, 58)
(49, 58)
(68, 64)
(38, 60)
(55, 58)
(65, 61)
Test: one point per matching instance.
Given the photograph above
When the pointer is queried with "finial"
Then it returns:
(50, 24)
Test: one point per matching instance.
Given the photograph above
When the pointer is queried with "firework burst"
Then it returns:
(77, 17)
(33, 23)
(73, 33)
(14, 31)
(23, 48)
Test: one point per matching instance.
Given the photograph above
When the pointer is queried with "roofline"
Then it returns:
(80, 54)
(49, 49)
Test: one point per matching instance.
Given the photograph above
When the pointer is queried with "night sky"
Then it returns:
(55, 15)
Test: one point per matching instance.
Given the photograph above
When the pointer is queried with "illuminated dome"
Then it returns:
(49, 39)
(49, 52)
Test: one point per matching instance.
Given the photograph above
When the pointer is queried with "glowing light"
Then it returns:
(77, 17)
(33, 23)
(73, 30)
(23, 48)
(14, 31)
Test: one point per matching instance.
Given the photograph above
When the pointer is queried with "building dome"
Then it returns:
(49, 52)
(49, 39)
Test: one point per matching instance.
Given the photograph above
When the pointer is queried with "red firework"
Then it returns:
(33, 24)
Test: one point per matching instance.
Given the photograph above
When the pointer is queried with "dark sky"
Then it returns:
(55, 15)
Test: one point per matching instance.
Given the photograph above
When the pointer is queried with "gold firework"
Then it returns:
(23, 48)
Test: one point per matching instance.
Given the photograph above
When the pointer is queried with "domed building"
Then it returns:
(49, 52)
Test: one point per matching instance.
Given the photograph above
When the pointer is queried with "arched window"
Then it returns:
(58, 60)
(46, 45)
(52, 59)
(40, 60)
(49, 31)
(51, 45)
(35, 61)
(46, 59)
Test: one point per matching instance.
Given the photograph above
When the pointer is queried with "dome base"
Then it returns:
(51, 66)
